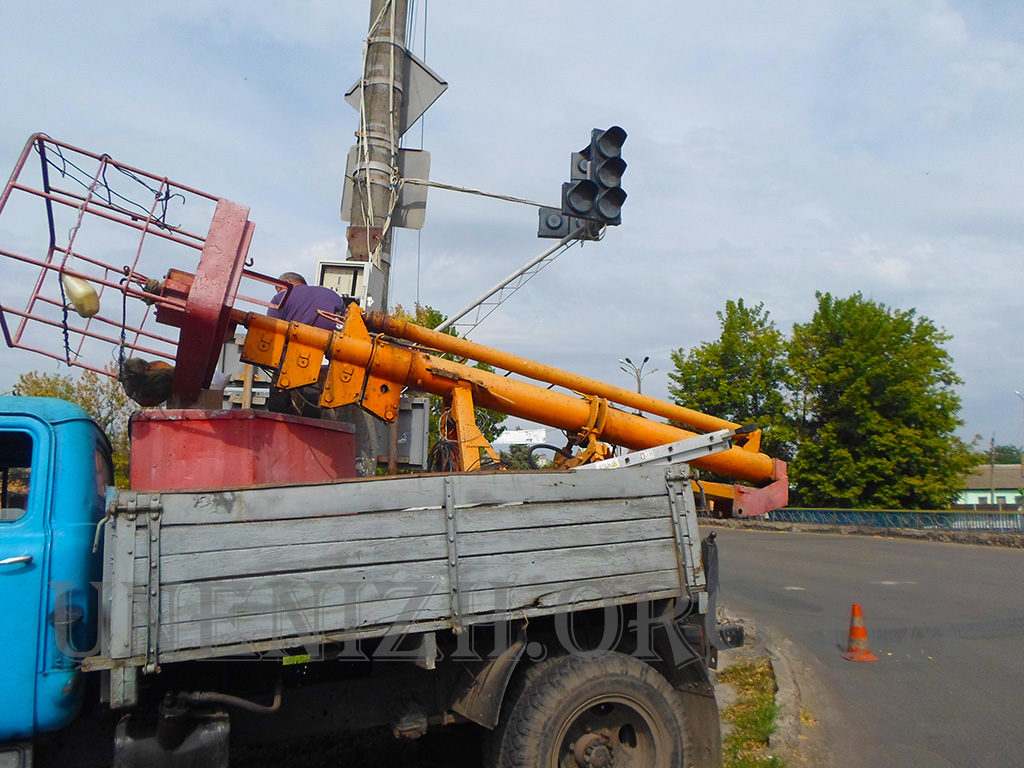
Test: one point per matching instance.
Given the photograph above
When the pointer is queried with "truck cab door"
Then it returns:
(24, 495)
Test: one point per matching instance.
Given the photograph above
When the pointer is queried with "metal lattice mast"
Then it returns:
(492, 298)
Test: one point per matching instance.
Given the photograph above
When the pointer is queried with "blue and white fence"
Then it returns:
(951, 520)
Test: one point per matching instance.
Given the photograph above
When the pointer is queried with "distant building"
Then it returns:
(1006, 480)
(521, 437)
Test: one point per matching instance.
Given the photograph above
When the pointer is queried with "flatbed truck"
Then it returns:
(569, 613)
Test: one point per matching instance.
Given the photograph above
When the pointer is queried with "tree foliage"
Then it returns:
(742, 376)
(488, 421)
(861, 400)
(517, 457)
(1004, 454)
(101, 396)
(878, 408)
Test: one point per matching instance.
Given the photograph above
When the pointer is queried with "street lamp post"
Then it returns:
(636, 371)
(1020, 497)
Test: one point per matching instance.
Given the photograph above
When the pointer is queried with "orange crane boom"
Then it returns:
(372, 370)
(403, 329)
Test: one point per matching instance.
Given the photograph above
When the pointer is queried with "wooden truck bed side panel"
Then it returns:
(405, 493)
(280, 567)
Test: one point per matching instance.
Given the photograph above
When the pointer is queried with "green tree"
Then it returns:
(518, 457)
(878, 408)
(488, 421)
(1005, 454)
(742, 376)
(101, 396)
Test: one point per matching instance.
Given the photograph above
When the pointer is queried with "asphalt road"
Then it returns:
(945, 620)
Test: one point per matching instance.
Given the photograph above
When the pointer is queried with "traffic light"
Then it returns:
(555, 224)
(595, 191)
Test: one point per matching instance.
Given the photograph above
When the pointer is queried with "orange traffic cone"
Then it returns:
(857, 650)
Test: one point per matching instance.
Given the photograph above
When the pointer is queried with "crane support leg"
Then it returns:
(472, 445)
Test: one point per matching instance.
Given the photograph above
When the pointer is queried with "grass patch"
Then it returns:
(752, 716)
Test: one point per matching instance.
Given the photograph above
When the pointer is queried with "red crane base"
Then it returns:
(179, 450)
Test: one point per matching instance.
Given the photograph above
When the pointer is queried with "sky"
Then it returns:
(774, 150)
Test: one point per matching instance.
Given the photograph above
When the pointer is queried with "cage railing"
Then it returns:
(83, 215)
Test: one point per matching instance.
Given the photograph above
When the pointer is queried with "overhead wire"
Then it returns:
(410, 37)
(393, 186)
(363, 139)
(423, 119)
(472, 191)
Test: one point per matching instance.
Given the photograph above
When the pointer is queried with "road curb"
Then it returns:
(781, 654)
(787, 696)
(1008, 540)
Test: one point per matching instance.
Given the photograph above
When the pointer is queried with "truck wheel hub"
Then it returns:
(592, 751)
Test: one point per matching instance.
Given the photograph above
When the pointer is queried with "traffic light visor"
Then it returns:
(608, 143)
(609, 204)
(609, 173)
(578, 197)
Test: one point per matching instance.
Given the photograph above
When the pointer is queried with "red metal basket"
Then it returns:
(116, 227)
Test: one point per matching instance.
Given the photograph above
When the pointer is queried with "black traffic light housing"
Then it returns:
(555, 224)
(594, 195)
(595, 192)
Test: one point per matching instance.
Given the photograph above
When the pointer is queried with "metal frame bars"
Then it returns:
(120, 209)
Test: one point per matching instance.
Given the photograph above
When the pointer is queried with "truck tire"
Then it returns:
(591, 711)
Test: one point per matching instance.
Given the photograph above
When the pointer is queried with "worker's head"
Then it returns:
(292, 278)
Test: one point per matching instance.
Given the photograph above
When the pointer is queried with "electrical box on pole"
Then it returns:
(359, 280)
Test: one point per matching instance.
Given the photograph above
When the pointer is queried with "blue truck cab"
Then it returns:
(55, 467)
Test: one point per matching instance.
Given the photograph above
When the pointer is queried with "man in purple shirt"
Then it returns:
(301, 302)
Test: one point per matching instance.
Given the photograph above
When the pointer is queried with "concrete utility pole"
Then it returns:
(1019, 394)
(379, 131)
(375, 187)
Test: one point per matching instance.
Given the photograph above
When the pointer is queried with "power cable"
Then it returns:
(423, 120)
(472, 191)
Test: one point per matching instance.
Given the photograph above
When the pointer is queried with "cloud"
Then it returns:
(943, 27)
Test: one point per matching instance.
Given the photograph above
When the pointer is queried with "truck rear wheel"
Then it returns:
(593, 711)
